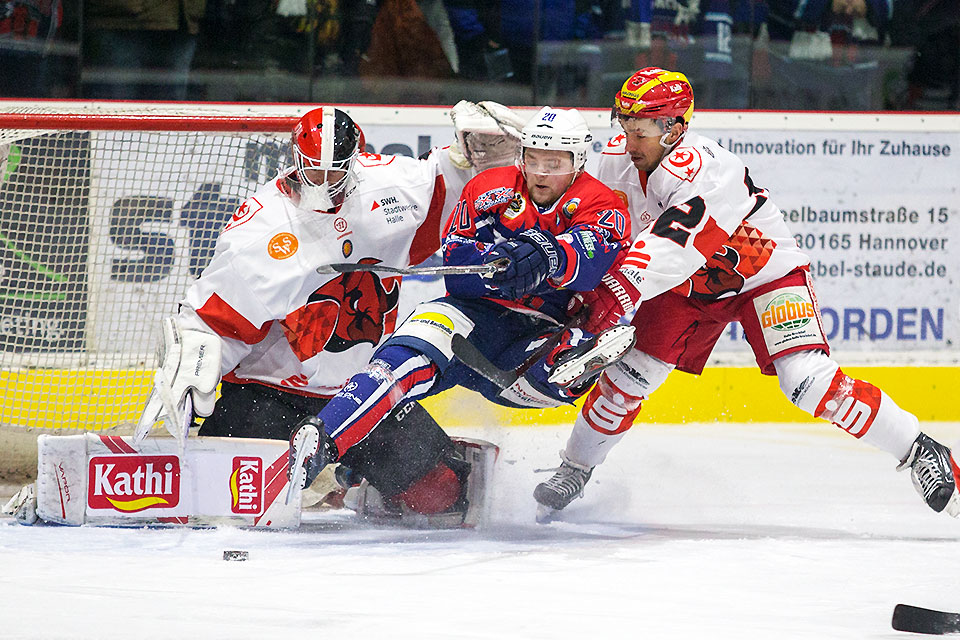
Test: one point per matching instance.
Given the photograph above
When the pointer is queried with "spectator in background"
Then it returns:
(404, 43)
(476, 32)
(140, 50)
(35, 60)
(933, 28)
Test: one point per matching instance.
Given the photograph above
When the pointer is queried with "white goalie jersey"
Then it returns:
(701, 226)
(280, 322)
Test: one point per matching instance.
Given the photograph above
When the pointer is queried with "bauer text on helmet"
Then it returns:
(325, 146)
(558, 130)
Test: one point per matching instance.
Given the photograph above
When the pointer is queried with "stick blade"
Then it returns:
(928, 621)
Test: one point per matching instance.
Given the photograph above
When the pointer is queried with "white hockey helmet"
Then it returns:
(559, 130)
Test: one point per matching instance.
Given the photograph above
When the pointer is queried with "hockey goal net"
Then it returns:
(106, 215)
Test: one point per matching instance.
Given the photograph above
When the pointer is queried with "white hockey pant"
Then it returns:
(612, 405)
(815, 383)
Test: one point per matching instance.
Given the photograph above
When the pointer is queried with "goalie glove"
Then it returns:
(487, 135)
(186, 381)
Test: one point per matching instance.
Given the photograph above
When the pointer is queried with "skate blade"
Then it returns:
(617, 340)
(545, 514)
(306, 440)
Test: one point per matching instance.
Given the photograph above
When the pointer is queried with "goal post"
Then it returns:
(107, 213)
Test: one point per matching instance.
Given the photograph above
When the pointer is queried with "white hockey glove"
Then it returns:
(487, 135)
(185, 383)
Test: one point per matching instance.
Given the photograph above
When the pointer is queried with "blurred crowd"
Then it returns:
(805, 54)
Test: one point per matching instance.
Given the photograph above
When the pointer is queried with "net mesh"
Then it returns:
(101, 232)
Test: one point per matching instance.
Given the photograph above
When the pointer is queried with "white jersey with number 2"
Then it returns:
(701, 226)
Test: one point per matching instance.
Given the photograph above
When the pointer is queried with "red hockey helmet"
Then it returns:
(655, 93)
(326, 139)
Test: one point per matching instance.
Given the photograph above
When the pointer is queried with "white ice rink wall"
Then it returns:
(873, 198)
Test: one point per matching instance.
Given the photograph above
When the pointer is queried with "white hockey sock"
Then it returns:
(588, 447)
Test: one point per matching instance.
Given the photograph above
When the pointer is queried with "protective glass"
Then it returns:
(552, 164)
(487, 150)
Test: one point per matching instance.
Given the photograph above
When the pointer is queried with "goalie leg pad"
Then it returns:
(473, 465)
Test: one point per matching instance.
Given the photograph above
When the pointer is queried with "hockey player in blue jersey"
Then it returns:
(558, 230)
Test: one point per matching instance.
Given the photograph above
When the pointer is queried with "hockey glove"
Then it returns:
(185, 383)
(612, 299)
(534, 256)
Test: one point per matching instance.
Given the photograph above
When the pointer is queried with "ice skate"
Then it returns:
(561, 489)
(580, 365)
(311, 449)
(934, 472)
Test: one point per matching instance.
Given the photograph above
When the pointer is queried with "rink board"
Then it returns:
(723, 394)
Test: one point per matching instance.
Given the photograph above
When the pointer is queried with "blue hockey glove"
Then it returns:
(534, 256)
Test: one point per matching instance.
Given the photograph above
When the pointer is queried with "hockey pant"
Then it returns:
(417, 361)
(811, 380)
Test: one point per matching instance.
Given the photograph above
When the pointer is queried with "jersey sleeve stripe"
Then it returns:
(427, 239)
(227, 322)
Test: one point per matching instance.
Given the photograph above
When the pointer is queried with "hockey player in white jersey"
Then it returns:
(713, 248)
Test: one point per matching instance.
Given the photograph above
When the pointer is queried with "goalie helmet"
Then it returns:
(663, 96)
(325, 140)
(559, 130)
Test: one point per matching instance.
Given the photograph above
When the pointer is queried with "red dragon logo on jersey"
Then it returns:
(717, 277)
(349, 310)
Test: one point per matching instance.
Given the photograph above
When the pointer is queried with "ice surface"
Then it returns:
(699, 531)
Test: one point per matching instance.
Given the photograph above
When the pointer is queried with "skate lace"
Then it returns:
(567, 480)
(929, 471)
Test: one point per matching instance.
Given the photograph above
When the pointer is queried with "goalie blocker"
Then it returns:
(107, 480)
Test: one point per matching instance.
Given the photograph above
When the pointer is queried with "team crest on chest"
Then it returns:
(516, 206)
(570, 207)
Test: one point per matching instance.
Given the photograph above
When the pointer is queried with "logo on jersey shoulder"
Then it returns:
(787, 312)
(244, 212)
(246, 485)
(352, 309)
(570, 207)
(516, 207)
(282, 246)
(684, 163)
(133, 483)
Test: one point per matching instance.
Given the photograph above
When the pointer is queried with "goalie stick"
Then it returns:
(487, 269)
(919, 620)
(469, 355)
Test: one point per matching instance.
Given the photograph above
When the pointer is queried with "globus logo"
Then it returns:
(133, 483)
(246, 485)
(787, 312)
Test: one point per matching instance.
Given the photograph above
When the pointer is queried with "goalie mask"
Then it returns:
(325, 146)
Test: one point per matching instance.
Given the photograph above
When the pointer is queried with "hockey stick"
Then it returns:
(487, 269)
(469, 355)
(919, 620)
